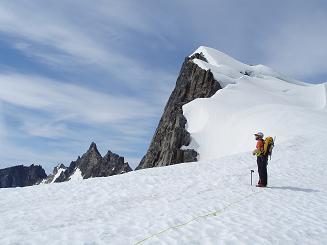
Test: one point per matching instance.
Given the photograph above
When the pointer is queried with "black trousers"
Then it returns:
(262, 162)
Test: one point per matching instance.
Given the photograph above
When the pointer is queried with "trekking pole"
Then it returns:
(273, 146)
(252, 171)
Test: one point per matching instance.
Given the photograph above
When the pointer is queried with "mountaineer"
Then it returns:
(262, 151)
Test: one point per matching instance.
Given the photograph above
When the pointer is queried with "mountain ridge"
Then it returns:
(209, 69)
(90, 165)
(166, 145)
(20, 176)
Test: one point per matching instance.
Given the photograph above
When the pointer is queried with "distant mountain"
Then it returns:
(55, 174)
(20, 176)
(92, 164)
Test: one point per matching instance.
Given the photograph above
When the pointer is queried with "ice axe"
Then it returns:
(252, 171)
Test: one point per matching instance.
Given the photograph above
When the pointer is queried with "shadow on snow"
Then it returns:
(292, 188)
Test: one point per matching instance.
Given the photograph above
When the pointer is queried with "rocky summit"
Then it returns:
(20, 176)
(165, 149)
(92, 164)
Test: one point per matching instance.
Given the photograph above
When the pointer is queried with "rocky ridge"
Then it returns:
(55, 174)
(165, 148)
(92, 164)
(20, 176)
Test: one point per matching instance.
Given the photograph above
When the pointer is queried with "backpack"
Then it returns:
(269, 143)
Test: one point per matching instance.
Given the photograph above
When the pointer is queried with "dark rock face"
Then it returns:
(92, 164)
(51, 177)
(20, 176)
(193, 82)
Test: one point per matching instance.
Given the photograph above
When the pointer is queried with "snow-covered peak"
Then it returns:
(252, 98)
(222, 64)
(218, 58)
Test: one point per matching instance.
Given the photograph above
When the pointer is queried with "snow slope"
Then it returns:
(76, 176)
(263, 100)
(210, 201)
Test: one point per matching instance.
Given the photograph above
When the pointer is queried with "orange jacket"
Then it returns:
(259, 148)
(260, 144)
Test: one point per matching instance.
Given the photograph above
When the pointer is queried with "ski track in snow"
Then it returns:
(129, 208)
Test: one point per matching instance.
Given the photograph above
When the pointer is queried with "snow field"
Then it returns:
(76, 176)
(129, 208)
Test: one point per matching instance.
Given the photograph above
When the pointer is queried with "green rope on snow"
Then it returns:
(215, 213)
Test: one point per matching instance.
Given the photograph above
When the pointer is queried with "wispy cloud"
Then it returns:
(48, 29)
(70, 102)
(296, 48)
(2, 128)
(44, 128)
(57, 38)
(14, 154)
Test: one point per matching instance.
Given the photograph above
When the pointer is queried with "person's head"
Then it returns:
(258, 136)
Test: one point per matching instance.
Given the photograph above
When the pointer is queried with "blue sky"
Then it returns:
(73, 72)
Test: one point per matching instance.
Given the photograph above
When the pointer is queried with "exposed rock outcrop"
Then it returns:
(92, 164)
(55, 174)
(20, 176)
(165, 148)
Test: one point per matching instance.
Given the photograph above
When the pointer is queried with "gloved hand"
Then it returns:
(254, 152)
